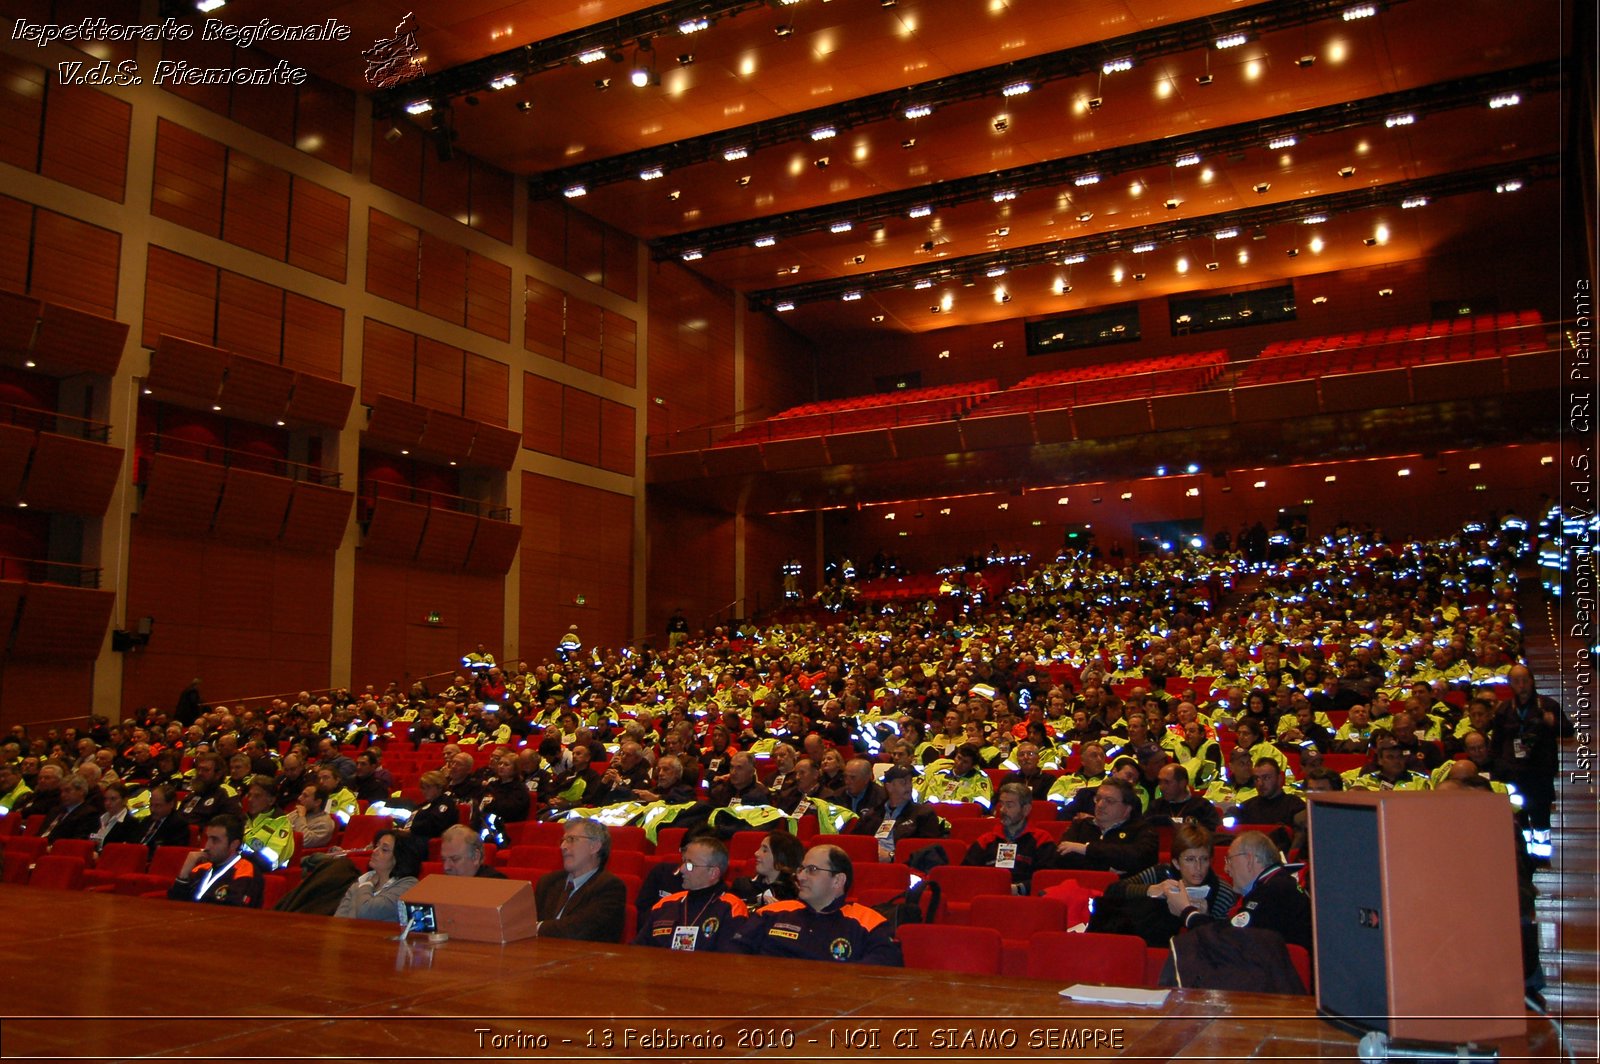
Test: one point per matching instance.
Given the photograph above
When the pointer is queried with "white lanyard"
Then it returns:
(215, 874)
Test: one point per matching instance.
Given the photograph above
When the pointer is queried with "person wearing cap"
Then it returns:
(820, 924)
(900, 817)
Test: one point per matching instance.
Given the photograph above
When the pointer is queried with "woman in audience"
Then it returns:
(777, 858)
(394, 869)
(1137, 904)
(505, 798)
(436, 812)
(117, 823)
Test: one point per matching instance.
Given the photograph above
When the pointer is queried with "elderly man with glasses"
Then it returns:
(702, 917)
(821, 924)
(1269, 896)
(582, 901)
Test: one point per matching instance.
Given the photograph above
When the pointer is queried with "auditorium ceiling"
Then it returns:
(858, 165)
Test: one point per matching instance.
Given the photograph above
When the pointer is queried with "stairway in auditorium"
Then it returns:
(1566, 909)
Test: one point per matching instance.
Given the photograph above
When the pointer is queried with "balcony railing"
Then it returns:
(38, 571)
(37, 420)
(155, 443)
(373, 490)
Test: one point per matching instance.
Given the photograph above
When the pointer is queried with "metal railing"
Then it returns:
(373, 490)
(39, 420)
(40, 571)
(231, 458)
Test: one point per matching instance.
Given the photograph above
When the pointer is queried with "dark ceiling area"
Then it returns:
(859, 163)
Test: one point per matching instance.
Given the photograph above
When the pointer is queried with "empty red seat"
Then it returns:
(943, 948)
(1087, 957)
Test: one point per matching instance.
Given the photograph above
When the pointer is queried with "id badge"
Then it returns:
(684, 938)
(1519, 749)
(803, 808)
(885, 837)
(1005, 855)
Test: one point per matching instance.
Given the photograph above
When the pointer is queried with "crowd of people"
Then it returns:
(1095, 709)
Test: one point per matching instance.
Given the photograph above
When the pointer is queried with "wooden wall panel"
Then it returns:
(547, 230)
(616, 437)
(246, 619)
(21, 112)
(576, 541)
(586, 247)
(271, 113)
(580, 426)
(541, 414)
(313, 336)
(86, 141)
(200, 52)
(190, 175)
(493, 192)
(180, 298)
(397, 163)
(392, 257)
(619, 354)
(16, 234)
(393, 638)
(256, 214)
(75, 263)
(583, 335)
(319, 229)
(31, 692)
(488, 297)
(622, 263)
(250, 317)
(440, 373)
(388, 362)
(446, 186)
(325, 119)
(544, 313)
(691, 350)
(488, 385)
(442, 279)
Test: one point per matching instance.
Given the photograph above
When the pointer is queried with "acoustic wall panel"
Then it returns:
(19, 316)
(494, 447)
(183, 368)
(395, 530)
(72, 476)
(16, 445)
(180, 495)
(447, 539)
(73, 339)
(62, 623)
(494, 546)
(317, 518)
(255, 390)
(253, 506)
(319, 401)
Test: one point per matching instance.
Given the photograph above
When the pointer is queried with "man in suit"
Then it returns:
(74, 818)
(220, 874)
(165, 825)
(583, 901)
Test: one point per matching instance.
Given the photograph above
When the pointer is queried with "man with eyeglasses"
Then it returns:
(821, 924)
(583, 901)
(702, 917)
(1115, 838)
(1269, 896)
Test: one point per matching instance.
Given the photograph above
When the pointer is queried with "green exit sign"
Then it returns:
(433, 618)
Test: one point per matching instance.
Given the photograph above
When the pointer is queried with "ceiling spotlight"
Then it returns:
(1095, 102)
(574, 191)
(1314, 219)
(909, 143)
(1414, 201)
(674, 194)
(1085, 216)
(841, 227)
(686, 58)
(1347, 171)
(1187, 160)
(877, 318)
(1350, 14)
(935, 309)
(733, 155)
(1306, 61)
(1115, 66)
(765, 241)
(820, 164)
(1510, 99)
(784, 30)
(1278, 143)
(593, 55)
(1002, 297)
(851, 296)
(1004, 194)
(1319, 300)
(1138, 277)
(1508, 186)
(919, 212)
(919, 110)
(504, 81)
(1232, 40)
(784, 306)
(1203, 79)
(1140, 249)
(1261, 187)
(693, 25)
(392, 134)
(995, 271)
(1225, 234)
(1083, 180)
(1385, 293)
(1399, 120)
(1017, 88)
(1212, 266)
(1172, 204)
(651, 174)
(419, 107)
(1073, 260)
(1370, 241)
(859, 259)
(824, 133)
(742, 180)
(602, 84)
(1293, 253)
(643, 76)
(692, 255)
(1002, 124)
(924, 283)
(524, 105)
